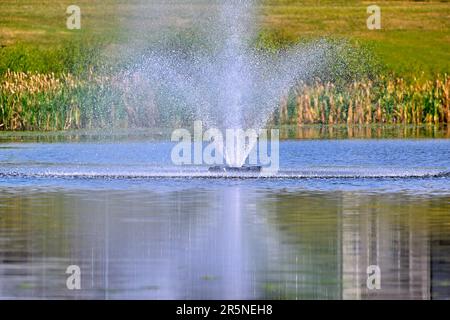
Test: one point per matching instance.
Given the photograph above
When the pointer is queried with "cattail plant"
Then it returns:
(387, 100)
(32, 101)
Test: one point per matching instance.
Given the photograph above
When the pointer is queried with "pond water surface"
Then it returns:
(105, 206)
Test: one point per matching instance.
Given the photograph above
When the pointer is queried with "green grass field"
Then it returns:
(415, 36)
(414, 39)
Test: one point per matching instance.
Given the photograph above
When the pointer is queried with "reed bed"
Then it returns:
(49, 102)
(32, 101)
(389, 101)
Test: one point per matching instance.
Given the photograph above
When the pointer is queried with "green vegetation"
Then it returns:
(47, 102)
(389, 101)
(33, 101)
(415, 35)
(52, 78)
(414, 39)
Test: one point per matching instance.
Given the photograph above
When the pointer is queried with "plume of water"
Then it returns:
(231, 85)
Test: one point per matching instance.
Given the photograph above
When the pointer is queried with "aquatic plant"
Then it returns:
(33, 101)
(385, 100)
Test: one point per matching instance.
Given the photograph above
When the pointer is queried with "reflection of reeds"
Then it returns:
(388, 101)
(378, 131)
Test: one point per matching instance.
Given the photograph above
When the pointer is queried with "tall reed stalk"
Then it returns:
(32, 101)
(388, 101)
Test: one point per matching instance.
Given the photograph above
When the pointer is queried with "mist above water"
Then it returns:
(226, 83)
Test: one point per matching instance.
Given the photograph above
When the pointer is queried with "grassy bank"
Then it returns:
(414, 39)
(414, 36)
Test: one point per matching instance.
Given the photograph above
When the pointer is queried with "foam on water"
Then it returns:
(202, 172)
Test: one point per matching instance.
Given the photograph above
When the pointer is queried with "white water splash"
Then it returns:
(231, 85)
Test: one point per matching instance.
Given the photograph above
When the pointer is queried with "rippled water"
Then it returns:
(140, 228)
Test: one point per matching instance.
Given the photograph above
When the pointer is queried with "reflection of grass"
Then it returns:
(151, 288)
(376, 131)
(306, 291)
(26, 286)
(443, 283)
(208, 278)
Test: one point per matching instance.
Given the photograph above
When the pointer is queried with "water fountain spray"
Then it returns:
(231, 85)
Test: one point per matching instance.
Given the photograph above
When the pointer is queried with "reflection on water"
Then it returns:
(364, 132)
(185, 238)
(228, 242)
(377, 131)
